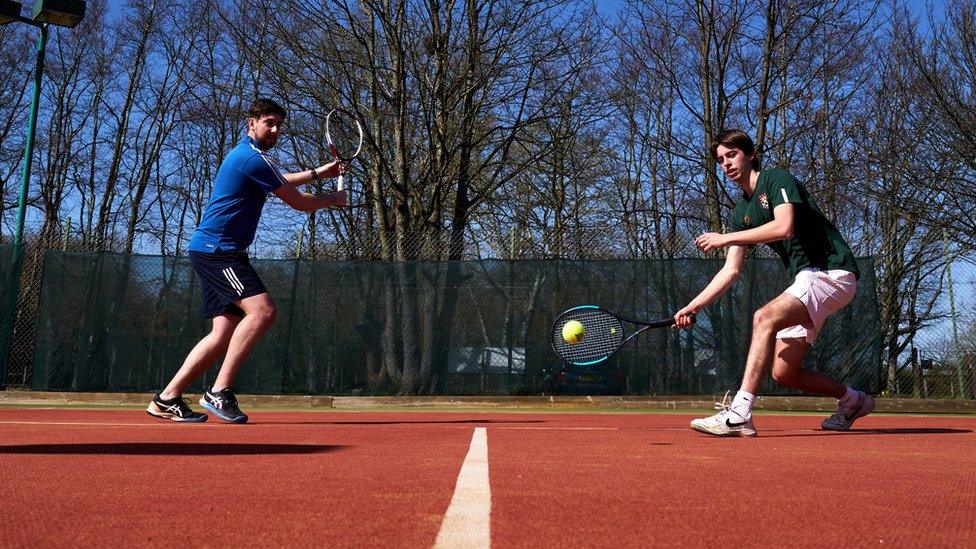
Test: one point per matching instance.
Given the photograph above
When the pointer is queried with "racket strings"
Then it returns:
(343, 133)
(602, 334)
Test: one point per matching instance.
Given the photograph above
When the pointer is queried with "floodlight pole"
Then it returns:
(13, 289)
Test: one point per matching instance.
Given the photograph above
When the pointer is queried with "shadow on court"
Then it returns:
(168, 449)
(893, 431)
(445, 422)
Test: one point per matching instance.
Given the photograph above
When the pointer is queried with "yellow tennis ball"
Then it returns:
(573, 332)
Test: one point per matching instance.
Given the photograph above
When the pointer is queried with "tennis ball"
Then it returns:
(573, 332)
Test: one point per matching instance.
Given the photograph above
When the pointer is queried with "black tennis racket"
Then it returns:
(603, 334)
(344, 135)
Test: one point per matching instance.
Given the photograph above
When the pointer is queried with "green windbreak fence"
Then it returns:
(111, 322)
(6, 279)
(6, 321)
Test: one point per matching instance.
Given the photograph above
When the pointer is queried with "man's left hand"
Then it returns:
(332, 169)
(710, 241)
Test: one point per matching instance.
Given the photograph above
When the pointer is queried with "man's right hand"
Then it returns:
(684, 318)
(340, 199)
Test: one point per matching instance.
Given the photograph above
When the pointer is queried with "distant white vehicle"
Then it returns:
(488, 360)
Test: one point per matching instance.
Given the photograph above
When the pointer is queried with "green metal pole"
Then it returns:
(13, 289)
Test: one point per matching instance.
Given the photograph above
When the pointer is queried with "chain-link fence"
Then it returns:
(937, 363)
(940, 361)
(421, 327)
(17, 329)
(362, 245)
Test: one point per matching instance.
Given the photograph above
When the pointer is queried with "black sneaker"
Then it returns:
(223, 403)
(843, 418)
(176, 409)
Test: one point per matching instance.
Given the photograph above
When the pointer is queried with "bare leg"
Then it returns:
(261, 313)
(203, 355)
(787, 371)
(785, 356)
(782, 312)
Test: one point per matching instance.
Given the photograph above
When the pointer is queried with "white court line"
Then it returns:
(467, 522)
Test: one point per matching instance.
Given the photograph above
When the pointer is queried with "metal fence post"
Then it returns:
(13, 289)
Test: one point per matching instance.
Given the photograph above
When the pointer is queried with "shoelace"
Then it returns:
(725, 405)
(184, 406)
(844, 412)
(229, 398)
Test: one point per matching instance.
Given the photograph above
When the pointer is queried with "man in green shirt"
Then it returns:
(777, 210)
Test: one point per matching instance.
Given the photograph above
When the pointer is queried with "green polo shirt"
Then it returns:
(816, 242)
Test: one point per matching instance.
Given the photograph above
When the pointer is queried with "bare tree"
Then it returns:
(14, 82)
(946, 63)
(908, 249)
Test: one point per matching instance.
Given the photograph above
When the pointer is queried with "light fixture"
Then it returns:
(9, 11)
(63, 13)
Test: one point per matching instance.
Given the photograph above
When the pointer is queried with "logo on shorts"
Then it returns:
(235, 282)
(764, 201)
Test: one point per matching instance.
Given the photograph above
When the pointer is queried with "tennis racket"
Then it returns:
(344, 135)
(603, 334)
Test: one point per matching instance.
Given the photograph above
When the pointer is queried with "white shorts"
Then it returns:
(824, 293)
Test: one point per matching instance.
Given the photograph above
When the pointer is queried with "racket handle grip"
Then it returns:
(341, 183)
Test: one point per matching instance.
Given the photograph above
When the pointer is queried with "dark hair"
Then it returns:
(263, 107)
(736, 139)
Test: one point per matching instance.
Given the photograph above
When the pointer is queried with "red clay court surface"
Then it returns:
(120, 478)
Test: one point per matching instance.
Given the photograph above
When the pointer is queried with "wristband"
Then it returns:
(315, 175)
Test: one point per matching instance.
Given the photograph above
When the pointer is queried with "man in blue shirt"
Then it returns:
(232, 293)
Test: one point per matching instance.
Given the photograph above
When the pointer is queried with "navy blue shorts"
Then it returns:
(225, 277)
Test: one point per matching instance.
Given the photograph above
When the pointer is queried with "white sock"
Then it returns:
(742, 404)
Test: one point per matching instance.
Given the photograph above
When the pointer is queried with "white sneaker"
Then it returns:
(726, 423)
(844, 417)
